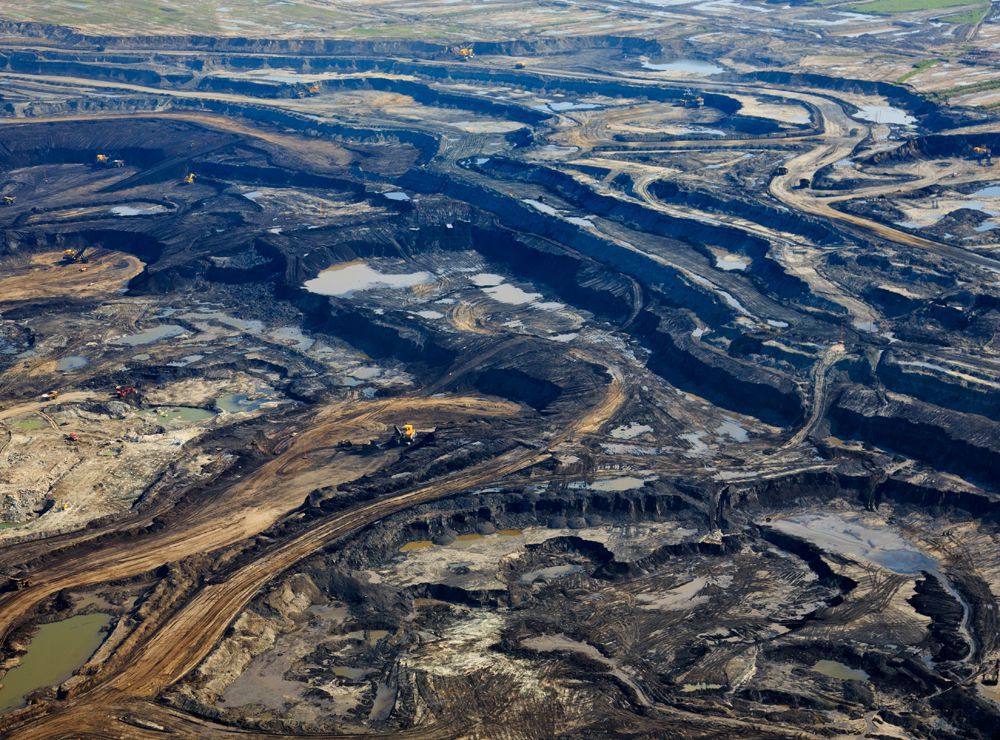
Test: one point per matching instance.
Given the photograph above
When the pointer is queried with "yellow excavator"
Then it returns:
(189, 178)
(692, 100)
(982, 154)
(405, 435)
(74, 255)
(103, 159)
(465, 53)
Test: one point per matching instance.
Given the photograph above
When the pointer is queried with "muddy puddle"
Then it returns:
(990, 191)
(344, 280)
(551, 573)
(73, 362)
(416, 545)
(238, 403)
(631, 431)
(734, 431)
(731, 263)
(623, 483)
(885, 114)
(56, 650)
(847, 535)
(148, 210)
(560, 643)
(177, 414)
(685, 67)
(833, 669)
(151, 336)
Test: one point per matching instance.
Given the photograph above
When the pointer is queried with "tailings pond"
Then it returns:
(55, 652)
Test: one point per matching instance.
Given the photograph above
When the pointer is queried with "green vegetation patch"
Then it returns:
(971, 17)
(892, 7)
(966, 89)
(918, 68)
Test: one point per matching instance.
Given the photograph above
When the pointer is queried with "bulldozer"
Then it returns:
(404, 435)
(189, 179)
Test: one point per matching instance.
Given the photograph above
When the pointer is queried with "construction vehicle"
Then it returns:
(404, 435)
(691, 100)
(17, 581)
(72, 438)
(309, 91)
(71, 256)
(9, 200)
(103, 160)
(466, 52)
(189, 178)
(124, 391)
(983, 155)
(119, 163)
(51, 395)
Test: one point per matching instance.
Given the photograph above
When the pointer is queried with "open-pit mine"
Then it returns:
(499, 369)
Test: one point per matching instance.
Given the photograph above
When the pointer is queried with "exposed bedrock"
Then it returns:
(35, 63)
(935, 385)
(934, 498)
(964, 444)
(145, 246)
(969, 714)
(741, 386)
(696, 234)
(420, 92)
(931, 115)
(675, 288)
(517, 385)
(574, 278)
(378, 336)
(345, 47)
(773, 217)
(558, 507)
(426, 145)
(144, 143)
(725, 381)
(280, 177)
(932, 599)
(631, 214)
(937, 146)
(813, 556)
(524, 79)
